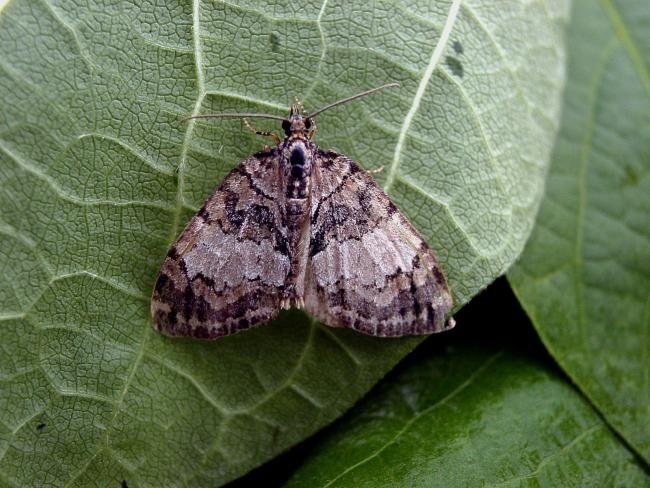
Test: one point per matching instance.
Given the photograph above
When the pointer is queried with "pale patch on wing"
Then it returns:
(228, 262)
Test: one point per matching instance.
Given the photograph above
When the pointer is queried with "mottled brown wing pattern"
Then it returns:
(368, 268)
(226, 271)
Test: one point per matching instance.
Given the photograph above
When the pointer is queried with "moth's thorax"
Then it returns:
(296, 161)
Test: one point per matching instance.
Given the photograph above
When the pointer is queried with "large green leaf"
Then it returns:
(584, 276)
(98, 175)
(479, 410)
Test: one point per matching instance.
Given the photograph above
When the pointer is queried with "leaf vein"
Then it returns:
(415, 105)
(193, 381)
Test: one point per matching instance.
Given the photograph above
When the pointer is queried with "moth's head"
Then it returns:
(298, 124)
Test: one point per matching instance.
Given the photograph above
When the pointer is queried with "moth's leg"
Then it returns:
(376, 170)
(287, 303)
(272, 134)
(312, 131)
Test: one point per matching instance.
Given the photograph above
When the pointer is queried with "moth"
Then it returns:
(298, 226)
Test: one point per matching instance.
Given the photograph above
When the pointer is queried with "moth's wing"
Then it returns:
(226, 271)
(368, 268)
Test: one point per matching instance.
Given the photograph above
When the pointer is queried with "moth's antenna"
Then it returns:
(238, 115)
(353, 97)
(235, 115)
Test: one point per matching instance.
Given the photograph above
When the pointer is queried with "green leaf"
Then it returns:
(476, 410)
(584, 276)
(98, 175)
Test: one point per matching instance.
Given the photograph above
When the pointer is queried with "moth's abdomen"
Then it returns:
(297, 167)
